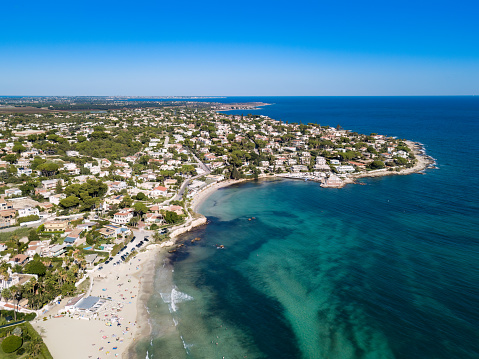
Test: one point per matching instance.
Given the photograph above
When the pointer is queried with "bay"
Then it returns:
(384, 270)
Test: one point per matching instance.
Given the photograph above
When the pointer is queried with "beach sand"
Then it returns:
(68, 337)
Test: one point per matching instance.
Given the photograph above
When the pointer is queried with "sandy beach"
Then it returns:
(111, 331)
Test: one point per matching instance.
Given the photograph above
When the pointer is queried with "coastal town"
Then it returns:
(85, 194)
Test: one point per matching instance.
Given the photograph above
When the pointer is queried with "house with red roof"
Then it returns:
(159, 191)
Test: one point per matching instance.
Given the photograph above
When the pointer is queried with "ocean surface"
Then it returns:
(389, 269)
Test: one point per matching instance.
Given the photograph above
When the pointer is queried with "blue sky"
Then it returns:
(239, 48)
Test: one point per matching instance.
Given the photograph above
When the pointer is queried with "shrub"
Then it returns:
(11, 343)
(30, 316)
(140, 196)
(30, 218)
(376, 165)
(35, 267)
(172, 217)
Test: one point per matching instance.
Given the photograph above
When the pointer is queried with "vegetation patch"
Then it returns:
(11, 344)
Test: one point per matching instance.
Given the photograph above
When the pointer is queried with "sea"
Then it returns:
(387, 269)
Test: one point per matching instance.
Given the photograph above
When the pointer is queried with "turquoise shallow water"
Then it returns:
(384, 270)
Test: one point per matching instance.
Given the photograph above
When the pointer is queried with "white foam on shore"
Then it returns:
(186, 346)
(173, 298)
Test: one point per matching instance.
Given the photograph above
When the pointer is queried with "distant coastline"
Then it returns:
(240, 106)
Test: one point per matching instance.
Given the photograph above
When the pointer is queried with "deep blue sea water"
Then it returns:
(384, 270)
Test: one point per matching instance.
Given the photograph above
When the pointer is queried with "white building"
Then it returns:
(159, 191)
(24, 171)
(13, 192)
(51, 184)
(123, 217)
(28, 211)
(345, 168)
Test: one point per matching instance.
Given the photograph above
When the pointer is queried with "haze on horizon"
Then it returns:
(266, 48)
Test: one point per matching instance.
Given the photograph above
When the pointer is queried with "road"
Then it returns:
(179, 195)
(139, 236)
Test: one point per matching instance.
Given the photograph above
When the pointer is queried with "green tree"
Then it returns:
(376, 165)
(33, 236)
(4, 270)
(235, 174)
(348, 155)
(371, 149)
(141, 196)
(11, 344)
(18, 148)
(27, 188)
(400, 161)
(140, 209)
(92, 237)
(7, 294)
(171, 217)
(11, 158)
(144, 160)
(189, 169)
(35, 267)
(59, 187)
(126, 202)
(37, 161)
(70, 201)
(12, 170)
(48, 168)
(99, 135)
(35, 346)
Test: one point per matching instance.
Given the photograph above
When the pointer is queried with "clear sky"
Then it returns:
(301, 47)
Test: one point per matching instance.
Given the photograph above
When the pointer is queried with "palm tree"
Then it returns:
(4, 270)
(7, 294)
(17, 243)
(62, 275)
(16, 294)
(35, 346)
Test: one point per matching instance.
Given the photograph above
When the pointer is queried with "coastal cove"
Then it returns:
(384, 270)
